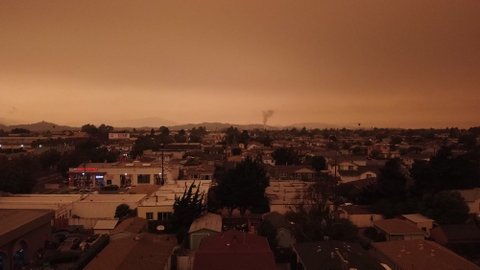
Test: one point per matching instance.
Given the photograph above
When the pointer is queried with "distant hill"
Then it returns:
(219, 126)
(42, 126)
(315, 125)
(142, 123)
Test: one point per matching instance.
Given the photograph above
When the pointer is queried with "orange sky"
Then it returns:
(407, 63)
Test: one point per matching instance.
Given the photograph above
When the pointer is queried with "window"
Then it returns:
(149, 215)
(163, 216)
(143, 179)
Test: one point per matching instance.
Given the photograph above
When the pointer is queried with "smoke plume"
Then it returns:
(266, 116)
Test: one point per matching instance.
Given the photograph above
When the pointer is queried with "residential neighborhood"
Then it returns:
(258, 199)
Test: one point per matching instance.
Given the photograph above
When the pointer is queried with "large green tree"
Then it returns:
(446, 171)
(445, 207)
(316, 219)
(122, 210)
(285, 156)
(243, 187)
(18, 174)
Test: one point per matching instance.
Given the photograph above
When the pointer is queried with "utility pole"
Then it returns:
(163, 172)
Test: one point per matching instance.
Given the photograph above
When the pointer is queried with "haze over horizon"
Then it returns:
(379, 63)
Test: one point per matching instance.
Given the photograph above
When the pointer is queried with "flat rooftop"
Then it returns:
(395, 226)
(40, 198)
(15, 223)
(109, 198)
(417, 218)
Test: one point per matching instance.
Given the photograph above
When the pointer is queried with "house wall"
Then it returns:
(404, 237)
(98, 210)
(368, 174)
(143, 210)
(346, 179)
(439, 236)
(364, 220)
(196, 237)
(425, 226)
(34, 240)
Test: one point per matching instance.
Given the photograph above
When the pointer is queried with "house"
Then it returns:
(291, 172)
(334, 255)
(398, 229)
(60, 204)
(198, 172)
(22, 235)
(361, 216)
(286, 195)
(458, 234)
(285, 237)
(472, 199)
(130, 248)
(73, 209)
(206, 225)
(464, 239)
(122, 174)
(418, 254)
(94, 207)
(422, 222)
(234, 250)
(159, 205)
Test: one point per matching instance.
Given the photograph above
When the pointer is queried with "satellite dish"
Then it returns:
(160, 228)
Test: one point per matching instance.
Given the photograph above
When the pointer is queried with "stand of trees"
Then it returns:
(17, 175)
(426, 188)
(285, 156)
(316, 219)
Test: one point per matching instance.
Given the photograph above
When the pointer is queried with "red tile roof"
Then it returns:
(234, 250)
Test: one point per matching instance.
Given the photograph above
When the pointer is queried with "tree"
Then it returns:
(244, 137)
(267, 230)
(445, 207)
(314, 220)
(285, 156)
(390, 195)
(468, 140)
(17, 175)
(243, 187)
(392, 180)
(20, 131)
(100, 133)
(197, 134)
(164, 131)
(445, 171)
(186, 209)
(319, 163)
(232, 135)
(181, 136)
(49, 158)
(122, 210)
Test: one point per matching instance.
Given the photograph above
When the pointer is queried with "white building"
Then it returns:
(159, 205)
(122, 174)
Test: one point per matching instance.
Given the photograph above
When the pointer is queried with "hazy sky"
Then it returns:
(384, 63)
